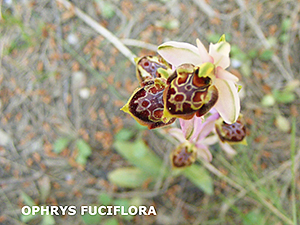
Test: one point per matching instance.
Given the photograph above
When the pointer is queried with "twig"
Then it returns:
(204, 7)
(13, 180)
(140, 44)
(217, 172)
(100, 29)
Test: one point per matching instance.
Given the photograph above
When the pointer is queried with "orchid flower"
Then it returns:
(194, 135)
(234, 133)
(146, 103)
(198, 133)
(180, 53)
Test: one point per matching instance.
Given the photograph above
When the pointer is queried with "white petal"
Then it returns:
(225, 75)
(228, 104)
(177, 134)
(177, 53)
(228, 149)
(211, 140)
(203, 52)
(203, 152)
(220, 53)
(207, 127)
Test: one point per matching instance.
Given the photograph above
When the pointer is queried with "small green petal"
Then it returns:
(222, 38)
(206, 70)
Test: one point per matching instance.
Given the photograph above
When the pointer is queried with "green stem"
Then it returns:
(293, 149)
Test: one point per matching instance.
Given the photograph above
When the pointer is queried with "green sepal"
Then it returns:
(222, 39)
(239, 87)
(206, 70)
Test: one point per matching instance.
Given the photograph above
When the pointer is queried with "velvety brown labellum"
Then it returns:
(186, 92)
(147, 105)
(235, 132)
(183, 157)
(147, 67)
(213, 97)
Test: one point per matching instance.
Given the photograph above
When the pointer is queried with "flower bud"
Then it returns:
(151, 67)
(184, 155)
(232, 133)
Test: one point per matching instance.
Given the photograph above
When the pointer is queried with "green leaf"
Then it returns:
(253, 218)
(27, 199)
(284, 96)
(105, 199)
(48, 220)
(286, 24)
(82, 160)
(268, 100)
(140, 155)
(107, 9)
(200, 177)
(60, 144)
(122, 202)
(246, 68)
(112, 221)
(91, 219)
(124, 135)
(83, 148)
(284, 38)
(253, 53)
(136, 201)
(27, 218)
(126, 203)
(130, 177)
(238, 54)
(266, 55)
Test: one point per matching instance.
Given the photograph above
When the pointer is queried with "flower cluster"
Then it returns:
(191, 84)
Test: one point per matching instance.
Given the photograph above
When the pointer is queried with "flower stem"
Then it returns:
(293, 149)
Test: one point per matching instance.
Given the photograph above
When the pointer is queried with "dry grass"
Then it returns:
(40, 102)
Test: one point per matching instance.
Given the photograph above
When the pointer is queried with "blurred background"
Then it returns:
(64, 140)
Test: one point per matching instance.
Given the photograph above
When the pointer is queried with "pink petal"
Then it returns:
(228, 104)
(203, 152)
(203, 52)
(197, 127)
(225, 75)
(206, 128)
(177, 53)
(177, 134)
(187, 127)
(211, 140)
(220, 53)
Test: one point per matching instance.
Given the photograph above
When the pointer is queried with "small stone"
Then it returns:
(84, 93)
(72, 39)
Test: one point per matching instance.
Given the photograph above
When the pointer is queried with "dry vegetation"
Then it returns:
(59, 78)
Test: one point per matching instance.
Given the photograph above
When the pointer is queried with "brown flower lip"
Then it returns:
(235, 132)
(183, 156)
